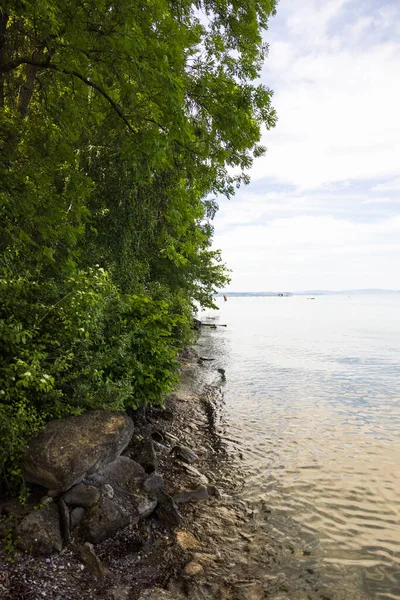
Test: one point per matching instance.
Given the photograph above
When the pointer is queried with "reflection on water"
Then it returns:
(312, 396)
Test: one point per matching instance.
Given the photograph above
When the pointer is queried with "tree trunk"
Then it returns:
(26, 90)
(3, 29)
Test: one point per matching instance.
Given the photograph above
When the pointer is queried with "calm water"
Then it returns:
(312, 401)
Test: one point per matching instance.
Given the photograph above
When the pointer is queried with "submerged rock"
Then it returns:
(187, 541)
(39, 533)
(202, 493)
(192, 569)
(69, 449)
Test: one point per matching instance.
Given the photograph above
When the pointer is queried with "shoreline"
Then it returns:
(144, 560)
(222, 548)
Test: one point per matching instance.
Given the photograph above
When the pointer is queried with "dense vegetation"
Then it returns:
(121, 121)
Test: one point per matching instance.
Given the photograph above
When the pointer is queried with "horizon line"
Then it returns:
(313, 291)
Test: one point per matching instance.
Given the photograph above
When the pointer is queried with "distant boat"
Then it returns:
(311, 298)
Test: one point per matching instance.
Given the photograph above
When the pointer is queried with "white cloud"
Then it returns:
(389, 186)
(324, 209)
(307, 232)
(337, 100)
(303, 252)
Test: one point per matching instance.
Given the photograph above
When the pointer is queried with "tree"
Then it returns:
(121, 122)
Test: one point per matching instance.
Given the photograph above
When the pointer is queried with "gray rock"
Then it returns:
(154, 483)
(69, 449)
(77, 516)
(92, 561)
(82, 495)
(195, 474)
(108, 491)
(185, 454)
(160, 448)
(145, 455)
(39, 533)
(167, 510)
(123, 472)
(65, 521)
(202, 493)
(145, 506)
(104, 520)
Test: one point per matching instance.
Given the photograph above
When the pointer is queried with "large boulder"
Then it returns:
(123, 472)
(77, 516)
(154, 484)
(104, 520)
(145, 455)
(82, 495)
(69, 449)
(114, 512)
(39, 533)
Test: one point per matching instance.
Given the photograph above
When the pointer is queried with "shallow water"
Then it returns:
(312, 405)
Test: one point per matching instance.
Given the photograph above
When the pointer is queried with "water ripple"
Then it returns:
(313, 402)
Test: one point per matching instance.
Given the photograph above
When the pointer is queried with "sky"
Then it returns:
(322, 210)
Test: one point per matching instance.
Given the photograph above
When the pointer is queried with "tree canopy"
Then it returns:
(120, 124)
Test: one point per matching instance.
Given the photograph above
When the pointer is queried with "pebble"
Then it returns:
(192, 569)
(186, 540)
(108, 491)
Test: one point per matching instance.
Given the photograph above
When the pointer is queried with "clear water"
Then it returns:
(312, 403)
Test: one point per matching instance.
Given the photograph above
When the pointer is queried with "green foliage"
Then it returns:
(8, 543)
(119, 124)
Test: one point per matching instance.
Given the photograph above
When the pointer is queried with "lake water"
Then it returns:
(312, 406)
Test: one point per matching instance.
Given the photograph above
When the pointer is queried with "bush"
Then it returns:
(79, 345)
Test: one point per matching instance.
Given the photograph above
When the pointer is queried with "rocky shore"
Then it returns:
(163, 520)
(101, 524)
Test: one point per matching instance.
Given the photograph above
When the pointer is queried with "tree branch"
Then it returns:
(48, 65)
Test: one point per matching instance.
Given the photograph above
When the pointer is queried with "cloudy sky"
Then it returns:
(323, 208)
